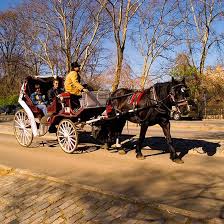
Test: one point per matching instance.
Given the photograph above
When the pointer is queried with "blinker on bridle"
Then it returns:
(172, 91)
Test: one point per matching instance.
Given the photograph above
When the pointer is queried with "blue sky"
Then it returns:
(131, 54)
(5, 4)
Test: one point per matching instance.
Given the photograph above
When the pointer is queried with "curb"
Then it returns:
(190, 215)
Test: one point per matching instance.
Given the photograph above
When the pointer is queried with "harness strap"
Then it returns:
(136, 97)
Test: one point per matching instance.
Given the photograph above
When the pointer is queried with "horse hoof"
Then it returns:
(140, 157)
(121, 152)
(178, 161)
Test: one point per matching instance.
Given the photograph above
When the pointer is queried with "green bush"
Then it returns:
(10, 100)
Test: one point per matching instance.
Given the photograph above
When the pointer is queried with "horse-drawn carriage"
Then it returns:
(149, 107)
(62, 119)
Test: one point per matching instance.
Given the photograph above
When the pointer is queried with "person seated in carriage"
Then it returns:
(73, 86)
(39, 99)
(54, 91)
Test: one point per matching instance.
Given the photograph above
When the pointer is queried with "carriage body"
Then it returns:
(62, 119)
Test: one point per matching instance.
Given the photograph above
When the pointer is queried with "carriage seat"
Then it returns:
(45, 84)
(65, 95)
(65, 99)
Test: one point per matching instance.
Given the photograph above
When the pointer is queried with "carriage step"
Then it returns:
(43, 129)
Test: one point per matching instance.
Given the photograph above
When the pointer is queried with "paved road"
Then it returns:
(196, 185)
(27, 198)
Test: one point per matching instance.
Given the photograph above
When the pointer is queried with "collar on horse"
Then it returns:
(135, 98)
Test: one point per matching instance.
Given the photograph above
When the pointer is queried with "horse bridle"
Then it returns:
(172, 93)
(171, 97)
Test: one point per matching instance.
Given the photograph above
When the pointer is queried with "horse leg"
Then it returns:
(118, 131)
(141, 138)
(173, 155)
(106, 146)
(107, 139)
(118, 146)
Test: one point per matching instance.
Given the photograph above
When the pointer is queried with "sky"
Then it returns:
(5, 4)
(131, 53)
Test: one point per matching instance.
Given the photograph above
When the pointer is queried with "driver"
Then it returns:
(73, 85)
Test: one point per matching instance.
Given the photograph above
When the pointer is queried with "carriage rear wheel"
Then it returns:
(67, 135)
(22, 128)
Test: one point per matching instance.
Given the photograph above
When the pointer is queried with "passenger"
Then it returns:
(54, 91)
(39, 100)
(73, 85)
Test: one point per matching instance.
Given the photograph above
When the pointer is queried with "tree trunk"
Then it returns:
(144, 75)
(117, 76)
(68, 61)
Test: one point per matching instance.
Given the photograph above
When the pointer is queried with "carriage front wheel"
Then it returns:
(67, 135)
(22, 128)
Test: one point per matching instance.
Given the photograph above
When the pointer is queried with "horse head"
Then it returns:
(179, 92)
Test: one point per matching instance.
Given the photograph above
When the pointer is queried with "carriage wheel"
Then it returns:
(22, 128)
(176, 116)
(67, 135)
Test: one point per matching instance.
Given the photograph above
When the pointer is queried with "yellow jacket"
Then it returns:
(72, 83)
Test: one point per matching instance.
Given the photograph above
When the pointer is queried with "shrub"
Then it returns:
(10, 100)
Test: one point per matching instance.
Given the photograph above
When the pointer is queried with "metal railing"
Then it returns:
(213, 113)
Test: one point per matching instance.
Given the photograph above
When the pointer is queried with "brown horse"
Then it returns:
(147, 108)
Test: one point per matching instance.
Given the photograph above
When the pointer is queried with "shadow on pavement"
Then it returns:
(88, 144)
(182, 145)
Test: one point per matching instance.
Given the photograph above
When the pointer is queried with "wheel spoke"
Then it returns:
(67, 136)
(16, 126)
(22, 128)
(26, 138)
(22, 137)
(72, 140)
(19, 123)
(62, 141)
(61, 132)
(71, 131)
(63, 127)
(72, 144)
(18, 116)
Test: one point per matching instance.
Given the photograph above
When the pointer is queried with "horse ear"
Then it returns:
(173, 80)
(183, 81)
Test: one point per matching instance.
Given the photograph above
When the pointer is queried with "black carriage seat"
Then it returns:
(45, 85)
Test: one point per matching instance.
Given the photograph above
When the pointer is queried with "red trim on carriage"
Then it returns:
(109, 109)
(65, 94)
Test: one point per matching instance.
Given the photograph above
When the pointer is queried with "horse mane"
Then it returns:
(161, 89)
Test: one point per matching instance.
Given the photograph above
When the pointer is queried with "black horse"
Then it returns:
(147, 108)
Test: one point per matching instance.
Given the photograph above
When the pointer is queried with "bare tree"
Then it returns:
(201, 34)
(9, 41)
(120, 13)
(13, 66)
(157, 33)
(64, 31)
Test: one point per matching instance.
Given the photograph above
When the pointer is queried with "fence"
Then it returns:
(213, 113)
